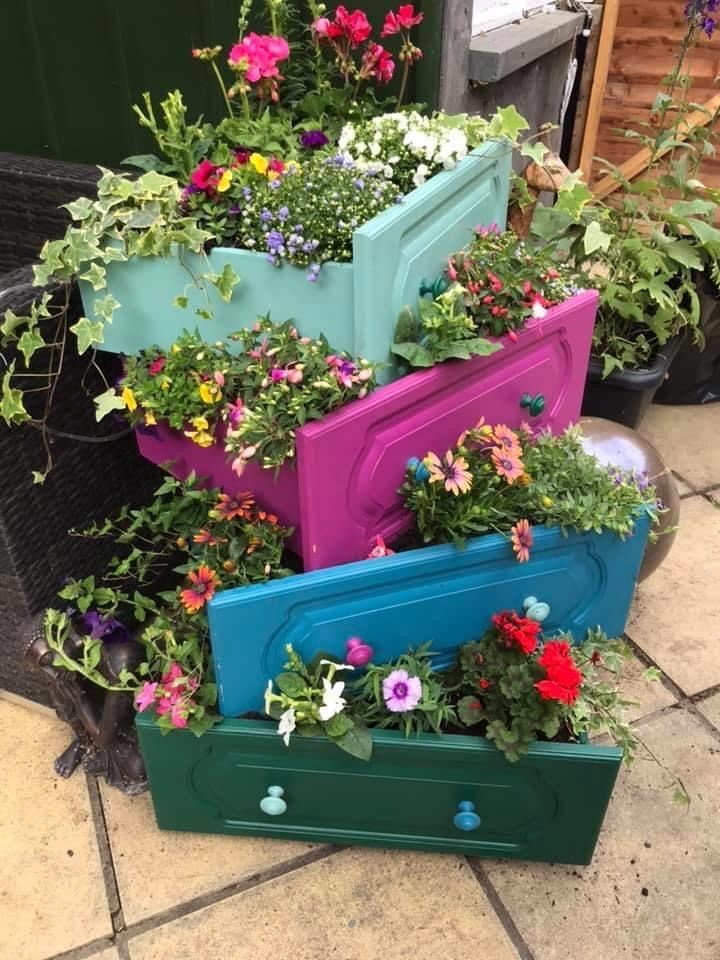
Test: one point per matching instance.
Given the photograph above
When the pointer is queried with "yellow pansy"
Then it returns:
(224, 182)
(128, 398)
(208, 392)
(273, 175)
(258, 163)
(292, 166)
(165, 384)
(150, 418)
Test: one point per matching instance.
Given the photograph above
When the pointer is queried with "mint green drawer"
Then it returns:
(549, 806)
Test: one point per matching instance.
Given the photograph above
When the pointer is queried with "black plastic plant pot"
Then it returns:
(624, 396)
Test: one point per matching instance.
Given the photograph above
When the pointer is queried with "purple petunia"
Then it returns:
(99, 627)
(313, 139)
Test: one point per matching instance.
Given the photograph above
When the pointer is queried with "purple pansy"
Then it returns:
(313, 139)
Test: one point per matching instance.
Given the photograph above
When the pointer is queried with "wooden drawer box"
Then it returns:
(439, 594)
(548, 806)
(354, 304)
(342, 490)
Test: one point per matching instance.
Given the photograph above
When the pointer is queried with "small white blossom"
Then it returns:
(333, 702)
(268, 695)
(286, 725)
(421, 174)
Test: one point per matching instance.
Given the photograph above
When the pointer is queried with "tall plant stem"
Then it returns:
(403, 82)
(218, 75)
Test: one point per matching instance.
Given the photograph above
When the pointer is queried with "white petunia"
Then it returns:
(333, 702)
(268, 694)
(286, 725)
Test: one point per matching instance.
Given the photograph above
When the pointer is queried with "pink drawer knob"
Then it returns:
(359, 654)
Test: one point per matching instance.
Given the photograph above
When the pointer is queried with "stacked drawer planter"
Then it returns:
(342, 490)
(355, 305)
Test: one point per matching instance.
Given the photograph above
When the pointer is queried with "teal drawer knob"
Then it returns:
(536, 609)
(273, 804)
(435, 287)
(535, 405)
(466, 819)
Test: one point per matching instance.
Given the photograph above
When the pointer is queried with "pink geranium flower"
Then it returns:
(404, 19)
(377, 62)
(258, 56)
(146, 697)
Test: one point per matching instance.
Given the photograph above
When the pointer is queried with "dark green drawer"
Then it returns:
(549, 806)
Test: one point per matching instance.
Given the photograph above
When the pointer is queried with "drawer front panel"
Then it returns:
(550, 805)
(439, 594)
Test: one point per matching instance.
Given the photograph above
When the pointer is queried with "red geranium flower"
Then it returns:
(404, 19)
(377, 62)
(563, 677)
(517, 631)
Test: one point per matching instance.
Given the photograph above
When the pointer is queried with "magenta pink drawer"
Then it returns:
(342, 491)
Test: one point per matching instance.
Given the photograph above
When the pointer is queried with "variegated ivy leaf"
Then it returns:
(224, 282)
(96, 276)
(573, 196)
(105, 307)
(28, 343)
(11, 322)
(106, 402)
(154, 182)
(80, 209)
(596, 238)
(536, 151)
(88, 334)
(12, 409)
(507, 122)
(38, 477)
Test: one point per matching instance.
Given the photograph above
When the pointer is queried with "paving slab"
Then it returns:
(648, 889)
(684, 489)
(687, 440)
(52, 892)
(710, 708)
(192, 864)
(648, 695)
(354, 905)
(674, 617)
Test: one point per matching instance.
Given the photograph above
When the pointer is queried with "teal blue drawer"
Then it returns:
(354, 304)
(549, 806)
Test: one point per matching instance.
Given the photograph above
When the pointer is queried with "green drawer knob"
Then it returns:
(535, 405)
(466, 819)
(273, 804)
(536, 609)
(435, 287)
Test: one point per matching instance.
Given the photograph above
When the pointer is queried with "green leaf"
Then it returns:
(225, 282)
(80, 209)
(38, 477)
(142, 161)
(415, 355)
(573, 196)
(11, 322)
(107, 402)
(507, 122)
(154, 182)
(536, 151)
(338, 725)
(357, 742)
(145, 217)
(684, 252)
(704, 232)
(291, 684)
(470, 711)
(88, 334)
(181, 302)
(96, 275)
(104, 308)
(406, 326)
(12, 409)
(28, 343)
(464, 349)
(661, 100)
(596, 238)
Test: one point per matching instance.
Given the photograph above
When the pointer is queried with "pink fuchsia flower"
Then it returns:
(404, 19)
(451, 471)
(401, 692)
(380, 550)
(155, 367)
(146, 697)
(522, 540)
(377, 63)
(277, 375)
(235, 412)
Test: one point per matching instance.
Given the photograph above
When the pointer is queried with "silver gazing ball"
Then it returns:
(618, 446)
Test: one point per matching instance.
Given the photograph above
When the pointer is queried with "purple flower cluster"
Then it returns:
(313, 140)
(700, 12)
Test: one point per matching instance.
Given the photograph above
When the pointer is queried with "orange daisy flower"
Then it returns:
(451, 471)
(203, 581)
(507, 440)
(507, 465)
(227, 507)
(522, 539)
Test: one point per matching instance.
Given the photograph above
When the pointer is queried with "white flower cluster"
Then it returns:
(407, 147)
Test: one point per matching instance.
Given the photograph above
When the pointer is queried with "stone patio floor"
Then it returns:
(84, 872)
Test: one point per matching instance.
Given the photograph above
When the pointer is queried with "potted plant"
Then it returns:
(286, 404)
(535, 523)
(642, 250)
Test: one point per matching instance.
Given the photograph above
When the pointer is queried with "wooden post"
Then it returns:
(597, 94)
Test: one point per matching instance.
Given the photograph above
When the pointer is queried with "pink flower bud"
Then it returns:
(320, 26)
(365, 374)
(295, 376)
(219, 377)
(305, 341)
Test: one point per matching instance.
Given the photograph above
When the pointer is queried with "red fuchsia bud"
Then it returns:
(452, 272)
(295, 376)
(476, 705)
(513, 336)
(483, 683)
(527, 288)
(219, 378)
(305, 341)
(256, 328)
(495, 311)
(488, 299)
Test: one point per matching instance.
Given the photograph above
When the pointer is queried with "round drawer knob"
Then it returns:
(273, 804)
(534, 405)
(536, 609)
(358, 654)
(435, 287)
(466, 819)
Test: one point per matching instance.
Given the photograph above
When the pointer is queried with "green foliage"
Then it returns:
(444, 331)
(556, 483)
(431, 712)
(310, 701)
(259, 388)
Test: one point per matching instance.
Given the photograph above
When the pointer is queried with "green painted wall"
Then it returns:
(70, 71)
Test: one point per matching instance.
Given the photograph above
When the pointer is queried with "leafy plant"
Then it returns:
(310, 701)
(497, 480)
